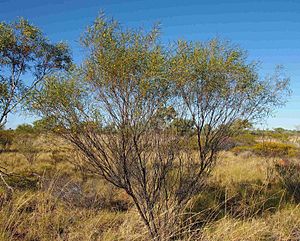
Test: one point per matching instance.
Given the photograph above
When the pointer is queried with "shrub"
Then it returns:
(6, 139)
(269, 149)
(126, 81)
(245, 139)
(274, 149)
(27, 147)
(24, 129)
(240, 149)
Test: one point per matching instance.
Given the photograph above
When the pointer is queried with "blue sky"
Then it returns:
(268, 29)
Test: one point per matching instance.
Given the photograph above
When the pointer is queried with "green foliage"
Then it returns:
(39, 126)
(26, 43)
(126, 67)
(62, 94)
(122, 54)
(24, 129)
(25, 51)
(217, 76)
(279, 130)
(44, 124)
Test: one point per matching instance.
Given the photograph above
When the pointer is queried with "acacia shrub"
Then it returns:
(275, 149)
(270, 150)
(127, 83)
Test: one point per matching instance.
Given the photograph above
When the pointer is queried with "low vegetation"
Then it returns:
(55, 199)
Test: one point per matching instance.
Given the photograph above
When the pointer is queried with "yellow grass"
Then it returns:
(41, 213)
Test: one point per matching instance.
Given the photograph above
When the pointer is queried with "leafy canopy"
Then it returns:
(26, 57)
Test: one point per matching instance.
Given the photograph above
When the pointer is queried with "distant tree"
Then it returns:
(280, 130)
(25, 129)
(26, 58)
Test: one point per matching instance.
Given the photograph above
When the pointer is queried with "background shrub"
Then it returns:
(269, 149)
(6, 139)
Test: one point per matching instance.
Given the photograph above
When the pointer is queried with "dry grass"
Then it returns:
(57, 204)
(283, 225)
(244, 167)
